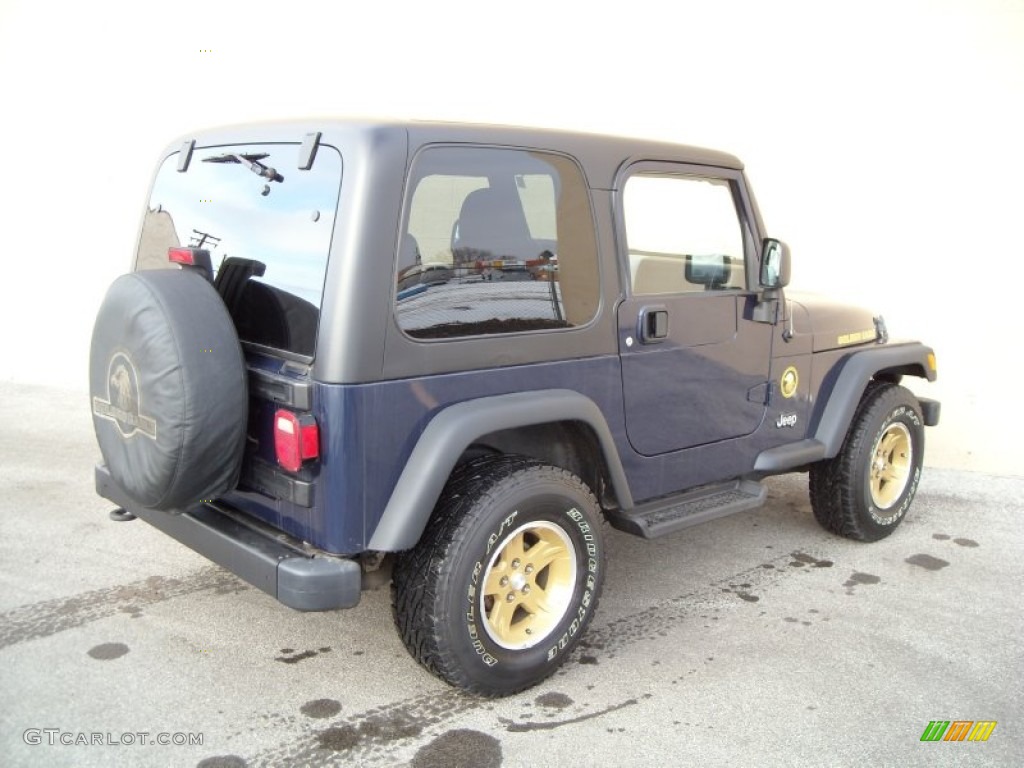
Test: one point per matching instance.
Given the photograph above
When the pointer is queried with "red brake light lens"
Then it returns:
(296, 438)
(181, 256)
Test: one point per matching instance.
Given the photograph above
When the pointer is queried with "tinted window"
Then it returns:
(683, 235)
(497, 241)
(269, 239)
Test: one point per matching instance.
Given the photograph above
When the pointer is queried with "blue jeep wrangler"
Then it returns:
(455, 351)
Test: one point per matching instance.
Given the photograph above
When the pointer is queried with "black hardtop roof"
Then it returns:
(600, 155)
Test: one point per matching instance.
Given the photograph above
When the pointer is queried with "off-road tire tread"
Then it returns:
(419, 572)
(832, 481)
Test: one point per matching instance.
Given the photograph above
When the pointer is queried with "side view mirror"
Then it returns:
(775, 263)
(711, 270)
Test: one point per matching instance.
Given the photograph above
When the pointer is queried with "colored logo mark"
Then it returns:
(789, 382)
(958, 730)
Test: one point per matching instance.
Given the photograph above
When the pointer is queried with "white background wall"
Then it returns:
(883, 139)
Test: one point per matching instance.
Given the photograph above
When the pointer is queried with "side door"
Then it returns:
(695, 364)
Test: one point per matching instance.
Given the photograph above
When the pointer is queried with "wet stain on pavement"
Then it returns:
(513, 727)
(553, 700)
(321, 708)
(655, 621)
(927, 562)
(861, 578)
(971, 543)
(461, 748)
(49, 617)
(222, 761)
(380, 729)
(367, 736)
(290, 656)
(805, 559)
(740, 590)
(430, 710)
(108, 651)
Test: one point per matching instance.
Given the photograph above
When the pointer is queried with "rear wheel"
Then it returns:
(866, 490)
(506, 577)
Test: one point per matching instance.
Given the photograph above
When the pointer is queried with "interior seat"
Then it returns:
(493, 223)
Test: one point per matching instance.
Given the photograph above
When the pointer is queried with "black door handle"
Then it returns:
(653, 324)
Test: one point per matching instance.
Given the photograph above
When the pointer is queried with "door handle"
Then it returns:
(653, 324)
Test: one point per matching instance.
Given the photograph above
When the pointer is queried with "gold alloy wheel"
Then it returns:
(528, 585)
(891, 460)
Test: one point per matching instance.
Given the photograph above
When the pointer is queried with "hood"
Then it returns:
(834, 325)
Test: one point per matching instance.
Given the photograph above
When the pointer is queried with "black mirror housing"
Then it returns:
(775, 263)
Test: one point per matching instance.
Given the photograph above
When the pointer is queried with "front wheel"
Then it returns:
(865, 491)
(506, 577)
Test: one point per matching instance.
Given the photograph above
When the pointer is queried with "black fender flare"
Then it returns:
(850, 380)
(455, 428)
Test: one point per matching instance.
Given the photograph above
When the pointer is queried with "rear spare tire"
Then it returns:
(167, 382)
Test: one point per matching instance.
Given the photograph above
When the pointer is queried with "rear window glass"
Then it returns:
(267, 226)
(496, 241)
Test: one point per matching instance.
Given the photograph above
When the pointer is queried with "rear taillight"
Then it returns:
(192, 258)
(181, 256)
(296, 438)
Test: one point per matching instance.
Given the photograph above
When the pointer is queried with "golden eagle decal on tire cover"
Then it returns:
(123, 405)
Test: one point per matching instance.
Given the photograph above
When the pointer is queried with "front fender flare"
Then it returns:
(833, 420)
(853, 379)
(455, 428)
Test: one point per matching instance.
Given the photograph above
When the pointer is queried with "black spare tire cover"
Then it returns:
(168, 385)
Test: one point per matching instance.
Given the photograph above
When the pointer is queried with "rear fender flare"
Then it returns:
(454, 429)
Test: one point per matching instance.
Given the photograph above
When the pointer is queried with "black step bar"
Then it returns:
(694, 507)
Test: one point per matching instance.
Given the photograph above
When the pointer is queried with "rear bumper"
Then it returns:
(267, 559)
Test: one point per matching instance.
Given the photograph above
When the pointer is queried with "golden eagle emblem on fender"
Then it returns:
(789, 382)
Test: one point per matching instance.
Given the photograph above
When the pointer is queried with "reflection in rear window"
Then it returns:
(497, 241)
(268, 238)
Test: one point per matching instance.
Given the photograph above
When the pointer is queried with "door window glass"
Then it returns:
(682, 234)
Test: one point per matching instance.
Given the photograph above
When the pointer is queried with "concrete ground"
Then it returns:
(754, 640)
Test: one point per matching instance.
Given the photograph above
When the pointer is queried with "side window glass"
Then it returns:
(537, 196)
(683, 235)
(496, 241)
